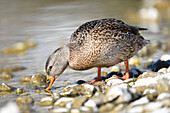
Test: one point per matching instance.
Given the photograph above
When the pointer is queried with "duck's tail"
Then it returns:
(143, 28)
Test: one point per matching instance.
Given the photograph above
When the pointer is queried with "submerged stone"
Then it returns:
(26, 79)
(63, 101)
(5, 76)
(5, 88)
(47, 101)
(78, 90)
(38, 80)
(27, 100)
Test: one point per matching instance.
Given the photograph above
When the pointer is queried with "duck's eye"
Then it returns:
(50, 68)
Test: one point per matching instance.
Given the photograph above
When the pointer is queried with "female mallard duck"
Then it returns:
(98, 43)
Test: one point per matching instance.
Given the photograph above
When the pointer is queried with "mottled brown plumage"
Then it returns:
(103, 43)
(98, 43)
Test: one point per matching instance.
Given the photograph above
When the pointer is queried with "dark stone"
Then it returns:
(134, 72)
(81, 82)
(158, 65)
(103, 78)
(114, 73)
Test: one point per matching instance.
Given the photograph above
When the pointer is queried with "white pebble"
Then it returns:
(163, 96)
(46, 99)
(141, 101)
(63, 99)
(60, 110)
(150, 91)
(165, 57)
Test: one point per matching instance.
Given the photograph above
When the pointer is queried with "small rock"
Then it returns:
(75, 111)
(165, 57)
(106, 108)
(76, 90)
(5, 76)
(5, 88)
(122, 92)
(114, 81)
(158, 65)
(163, 96)
(26, 79)
(134, 73)
(27, 100)
(29, 43)
(17, 48)
(91, 104)
(19, 91)
(78, 102)
(19, 99)
(141, 101)
(80, 82)
(168, 70)
(46, 101)
(59, 110)
(163, 70)
(115, 69)
(147, 74)
(12, 69)
(163, 85)
(104, 74)
(114, 73)
(134, 61)
(84, 109)
(63, 101)
(38, 80)
(151, 94)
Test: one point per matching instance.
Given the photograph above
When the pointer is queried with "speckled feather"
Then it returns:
(103, 43)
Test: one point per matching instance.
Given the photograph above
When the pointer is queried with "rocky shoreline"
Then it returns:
(146, 91)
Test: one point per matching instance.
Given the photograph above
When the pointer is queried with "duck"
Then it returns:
(97, 43)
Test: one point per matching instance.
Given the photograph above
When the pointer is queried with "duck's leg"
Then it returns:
(126, 76)
(50, 81)
(98, 76)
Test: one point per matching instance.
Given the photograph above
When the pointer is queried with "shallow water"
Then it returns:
(51, 22)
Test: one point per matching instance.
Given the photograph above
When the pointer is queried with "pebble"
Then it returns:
(46, 101)
(19, 91)
(163, 70)
(147, 74)
(78, 102)
(114, 81)
(5, 88)
(75, 111)
(115, 69)
(91, 104)
(60, 110)
(134, 73)
(77, 90)
(38, 80)
(26, 79)
(27, 100)
(165, 57)
(134, 61)
(122, 92)
(163, 96)
(63, 101)
(158, 65)
(5, 76)
(141, 101)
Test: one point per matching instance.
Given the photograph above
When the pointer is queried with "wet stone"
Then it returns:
(5, 76)
(78, 90)
(19, 91)
(11, 69)
(114, 73)
(121, 93)
(134, 73)
(158, 65)
(5, 88)
(38, 80)
(26, 79)
(106, 108)
(163, 96)
(78, 102)
(47, 101)
(147, 74)
(27, 100)
(63, 101)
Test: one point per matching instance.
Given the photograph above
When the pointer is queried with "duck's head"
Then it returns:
(56, 64)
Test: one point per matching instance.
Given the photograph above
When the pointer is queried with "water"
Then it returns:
(50, 24)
